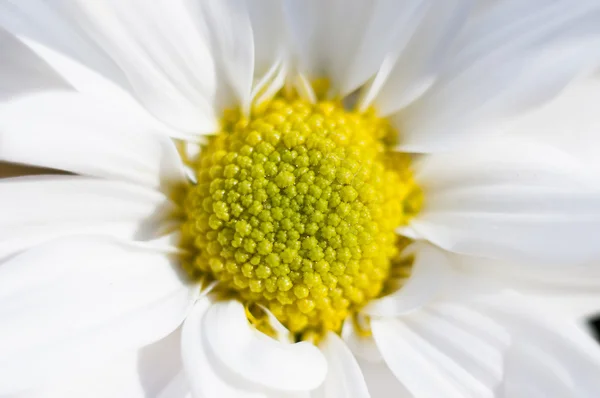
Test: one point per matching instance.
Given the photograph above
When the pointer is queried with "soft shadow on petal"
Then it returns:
(510, 199)
(80, 134)
(381, 382)
(344, 377)
(73, 205)
(75, 302)
(117, 50)
(430, 277)
(509, 59)
(258, 358)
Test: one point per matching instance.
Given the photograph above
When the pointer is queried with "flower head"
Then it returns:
(280, 194)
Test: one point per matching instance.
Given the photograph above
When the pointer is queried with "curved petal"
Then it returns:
(178, 387)
(197, 360)
(547, 356)
(455, 347)
(134, 374)
(156, 53)
(72, 205)
(344, 377)
(510, 199)
(83, 135)
(431, 275)
(76, 302)
(229, 26)
(347, 41)
(495, 344)
(420, 366)
(257, 358)
(412, 66)
(22, 71)
(363, 347)
(568, 290)
(270, 47)
(511, 58)
(570, 122)
(381, 381)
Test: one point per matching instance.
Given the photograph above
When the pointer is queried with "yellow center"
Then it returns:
(295, 209)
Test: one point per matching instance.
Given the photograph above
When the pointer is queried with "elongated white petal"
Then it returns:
(412, 66)
(230, 30)
(347, 41)
(270, 45)
(511, 200)
(424, 369)
(477, 355)
(133, 374)
(430, 277)
(548, 357)
(569, 122)
(381, 381)
(257, 358)
(77, 133)
(344, 377)
(198, 363)
(363, 347)
(75, 302)
(22, 71)
(37, 209)
(511, 58)
(459, 346)
(178, 387)
(156, 53)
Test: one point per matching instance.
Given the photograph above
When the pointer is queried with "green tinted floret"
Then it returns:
(296, 208)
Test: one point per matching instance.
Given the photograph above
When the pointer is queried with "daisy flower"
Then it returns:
(293, 199)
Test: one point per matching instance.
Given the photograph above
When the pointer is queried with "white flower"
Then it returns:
(124, 93)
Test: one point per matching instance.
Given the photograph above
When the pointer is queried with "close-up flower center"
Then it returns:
(295, 210)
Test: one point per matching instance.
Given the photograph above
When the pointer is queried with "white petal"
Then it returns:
(179, 387)
(569, 290)
(79, 301)
(511, 58)
(257, 358)
(157, 53)
(363, 347)
(22, 71)
(344, 377)
(430, 277)
(347, 41)
(199, 364)
(510, 199)
(305, 21)
(231, 34)
(270, 42)
(381, 381)
(135, 374)
(423, 368)
(578, 307)
(38, 209)
(479, 357)
(411, 67)
(83, 135)
(56, 38)
(547, 357)
(570, 122)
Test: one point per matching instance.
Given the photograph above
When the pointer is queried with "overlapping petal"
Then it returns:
(38, 209)
(80, 134)
(510, 199)
(116, 49)
(75, 302)
(509, 58)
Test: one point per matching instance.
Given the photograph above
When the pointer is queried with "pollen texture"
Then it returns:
(295, 209)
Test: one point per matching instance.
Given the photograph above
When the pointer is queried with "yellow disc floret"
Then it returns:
(295, 209)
